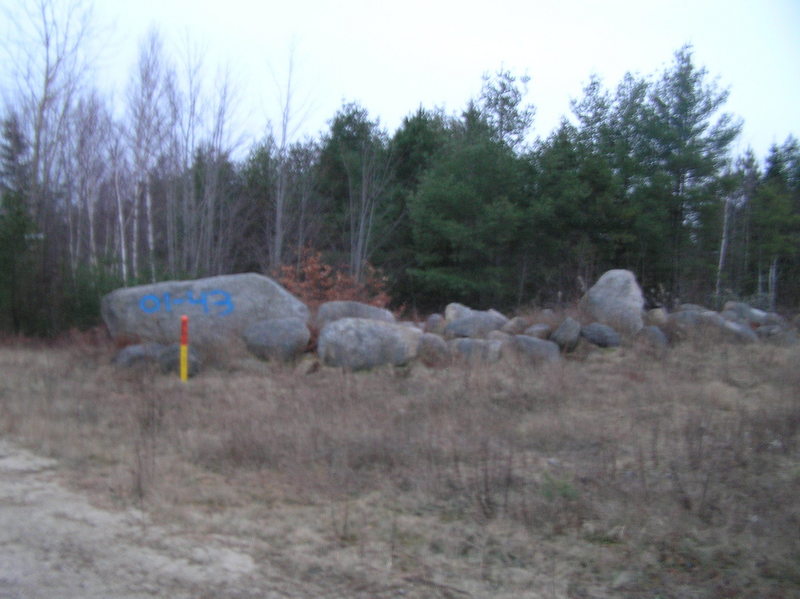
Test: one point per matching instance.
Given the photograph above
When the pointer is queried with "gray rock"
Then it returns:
(219, 308)
(711, 318)
(691, 308)
(499, 315)
(532, 349)
(434, 324)
(746, 313)
(548, 315)
(616, 300)
(540, 330)
(134, 355)
(656, 317)
(498, 336)
(739, 333)
(701, 321)
(432, 350)
(567, 335)
(170, 360)
(281, 339)
(516, 326)
(684, 319)
(773, 318)
(476, 324)
(600, 334)
(332, 311)
(777, 335)
(455, 311)
(475, 351)
(653, 337)
(361, 343)
(731, 315)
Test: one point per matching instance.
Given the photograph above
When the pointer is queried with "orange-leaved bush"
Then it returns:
(315, 282)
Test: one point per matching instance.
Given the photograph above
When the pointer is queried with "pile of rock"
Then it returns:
(274, 325)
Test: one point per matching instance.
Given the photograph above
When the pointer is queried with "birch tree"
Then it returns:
(149, 126)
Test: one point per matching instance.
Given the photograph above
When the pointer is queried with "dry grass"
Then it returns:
(612, 474)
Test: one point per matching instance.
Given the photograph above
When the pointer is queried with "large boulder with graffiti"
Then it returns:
(219, 309)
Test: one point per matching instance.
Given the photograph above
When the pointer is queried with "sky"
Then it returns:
(392, 57)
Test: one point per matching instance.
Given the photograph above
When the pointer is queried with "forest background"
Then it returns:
(448, 207)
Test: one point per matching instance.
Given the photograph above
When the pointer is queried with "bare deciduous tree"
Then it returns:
(150, 122)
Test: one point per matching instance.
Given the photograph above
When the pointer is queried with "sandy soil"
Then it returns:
(54, 544)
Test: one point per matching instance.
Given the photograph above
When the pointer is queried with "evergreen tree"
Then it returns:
(776, 220)
(415, 146)
(501, 105)
(17, 232)
(355, 173)
(689, 146)
(466, 220)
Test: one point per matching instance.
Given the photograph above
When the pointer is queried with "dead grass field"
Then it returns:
(613, 474)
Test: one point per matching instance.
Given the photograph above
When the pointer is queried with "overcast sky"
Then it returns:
(392, 57)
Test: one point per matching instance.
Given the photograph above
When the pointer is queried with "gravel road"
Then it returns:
(55, 545)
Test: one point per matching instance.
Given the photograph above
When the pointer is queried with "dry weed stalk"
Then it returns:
(688, 464)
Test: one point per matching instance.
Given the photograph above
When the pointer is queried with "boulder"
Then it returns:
(361, 343)
(600, 335)
(532, 349)
(432, 350)
(549, 316)
(746, 313)
(516, 326)
(691, 308)
(653, 337)
(281, 339)
(738, 333)
(774, 318)
(711, 318)
(656, 317)
(499, 315)
(434, 324)
(731, 315)
(567, 335)
(476, 324)
(540, 330)
(475, 351)
(219, 308)
(332, 311)
(777, 335)
(455, 311)
(134, 355)
(170, 359)
(684, 319)
(498, 336)
(616, 300)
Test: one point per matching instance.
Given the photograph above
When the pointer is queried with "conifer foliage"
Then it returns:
(449, 207)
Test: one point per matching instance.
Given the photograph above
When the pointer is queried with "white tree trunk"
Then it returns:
(123, 250)
(773, 282)
(151, 245)
(723, 246)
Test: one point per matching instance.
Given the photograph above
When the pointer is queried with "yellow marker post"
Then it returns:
(184, 366)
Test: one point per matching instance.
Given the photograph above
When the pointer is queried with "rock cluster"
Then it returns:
(274, 325)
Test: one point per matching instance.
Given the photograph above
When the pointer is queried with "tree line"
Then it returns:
(449, 207)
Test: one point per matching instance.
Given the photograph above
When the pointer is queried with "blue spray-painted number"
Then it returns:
(150, 304)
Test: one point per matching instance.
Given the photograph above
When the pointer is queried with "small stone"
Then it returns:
(567, 334)
(600, 335)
